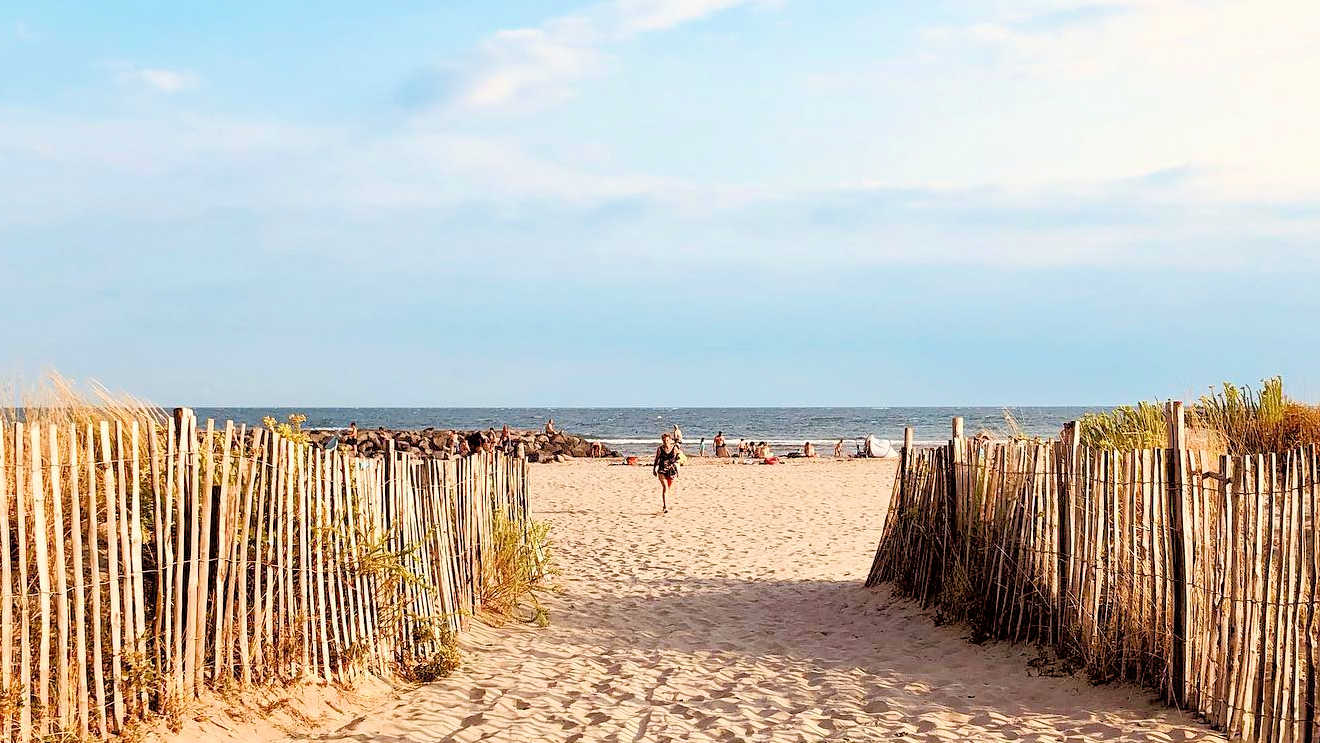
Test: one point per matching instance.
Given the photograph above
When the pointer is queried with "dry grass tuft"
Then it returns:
(58, 401)
(1258, 421)
(520, 568)
(1241, 420)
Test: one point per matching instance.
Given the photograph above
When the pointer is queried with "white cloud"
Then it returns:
(528, 67)
(168, 81)
(1081, 139)
(175, 168)
(175, 163)
(638, 16)
(1215, 84)
(160, 79)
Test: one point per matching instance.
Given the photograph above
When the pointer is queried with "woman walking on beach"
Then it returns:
(665, 468)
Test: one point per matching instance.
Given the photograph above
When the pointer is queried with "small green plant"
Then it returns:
(291, 429)
(443, 660)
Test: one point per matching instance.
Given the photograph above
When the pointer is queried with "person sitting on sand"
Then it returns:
(665, 468)
(808, 450)
(721, 450)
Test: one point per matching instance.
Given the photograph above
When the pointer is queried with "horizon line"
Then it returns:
(648, 407)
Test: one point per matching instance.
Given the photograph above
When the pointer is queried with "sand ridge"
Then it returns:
(741, 615)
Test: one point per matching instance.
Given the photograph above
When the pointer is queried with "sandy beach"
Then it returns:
(741, 615)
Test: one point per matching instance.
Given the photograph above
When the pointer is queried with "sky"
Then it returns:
(661, 202)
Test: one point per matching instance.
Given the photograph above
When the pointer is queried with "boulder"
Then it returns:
(431, 442)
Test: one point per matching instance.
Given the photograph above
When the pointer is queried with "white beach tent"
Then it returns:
(877, 447)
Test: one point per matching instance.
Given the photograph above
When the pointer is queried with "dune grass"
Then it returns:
(1259, 421)
(1125, 427)
(1241, 419)
(520, 568)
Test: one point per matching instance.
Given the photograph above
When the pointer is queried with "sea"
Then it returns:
(637, 430)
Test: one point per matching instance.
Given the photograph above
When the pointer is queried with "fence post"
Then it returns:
(1070, 443)
(906, 453)
(1178, 548)
(955, 460)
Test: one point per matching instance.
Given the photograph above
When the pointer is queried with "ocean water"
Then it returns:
(637, 430)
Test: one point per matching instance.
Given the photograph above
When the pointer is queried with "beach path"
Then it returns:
(741, 615)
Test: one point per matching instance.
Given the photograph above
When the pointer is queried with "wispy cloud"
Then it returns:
(527, 68)
(159, 79)
(637, 16)
(183, 168)
(1145, 85)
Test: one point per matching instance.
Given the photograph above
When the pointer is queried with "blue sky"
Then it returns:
(661, 202)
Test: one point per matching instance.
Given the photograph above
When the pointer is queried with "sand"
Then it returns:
(741, 615)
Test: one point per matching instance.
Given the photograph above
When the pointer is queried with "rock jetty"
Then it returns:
(441, 443)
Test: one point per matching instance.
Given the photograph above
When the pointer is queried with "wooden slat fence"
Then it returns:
(1191, 572)
(142, 563)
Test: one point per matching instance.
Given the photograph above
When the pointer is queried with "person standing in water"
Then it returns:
(838, 450)
(665, 468)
